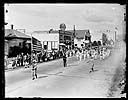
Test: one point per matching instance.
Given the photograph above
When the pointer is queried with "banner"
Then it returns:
(36, 45)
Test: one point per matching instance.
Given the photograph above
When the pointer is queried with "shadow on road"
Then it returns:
(42, 77)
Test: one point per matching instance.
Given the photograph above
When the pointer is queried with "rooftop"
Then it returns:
(79, 33)
(15, 33)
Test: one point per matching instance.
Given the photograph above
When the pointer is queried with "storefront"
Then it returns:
(67, 38)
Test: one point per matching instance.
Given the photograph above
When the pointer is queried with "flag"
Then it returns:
(36, 44)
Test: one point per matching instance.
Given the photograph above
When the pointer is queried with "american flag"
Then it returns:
(36, 44)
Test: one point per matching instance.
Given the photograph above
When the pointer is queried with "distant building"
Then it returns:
(52, 39)
(82, 38)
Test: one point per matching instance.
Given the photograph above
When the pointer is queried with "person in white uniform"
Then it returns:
(80, 55)
(84, 54)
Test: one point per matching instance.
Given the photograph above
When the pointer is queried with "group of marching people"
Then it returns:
(24, 59)
(94, 53)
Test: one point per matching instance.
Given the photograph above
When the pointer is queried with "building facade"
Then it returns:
(17, 42)
(82, 38)
(52, 39)
(49, 41)
(67, 38)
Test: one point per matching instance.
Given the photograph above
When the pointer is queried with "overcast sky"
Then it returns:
(34, 17)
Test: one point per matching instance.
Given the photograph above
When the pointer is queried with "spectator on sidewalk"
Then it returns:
(53, 54)
(28, 60)
(5, 61)
(25, 61)
(22, 59)
(14, 63)
(43, 56)
(17, 60)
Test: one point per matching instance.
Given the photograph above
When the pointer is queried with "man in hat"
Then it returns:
(64, 59)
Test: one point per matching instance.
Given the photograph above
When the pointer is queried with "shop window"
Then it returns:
(45, 47)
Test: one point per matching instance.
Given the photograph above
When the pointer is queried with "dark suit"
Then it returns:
(65, 60)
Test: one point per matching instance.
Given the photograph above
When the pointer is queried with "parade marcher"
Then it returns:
(108, 52)
(64, 59)
(80, 55)
(103, 53)
(84, 54)
(77, 54)
(29, 59)
(88, 54)
(34, 68)
(73, 51)
(70, 53)
(95, 54)
(92, 68)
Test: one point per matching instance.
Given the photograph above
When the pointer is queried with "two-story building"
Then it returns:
(82, 38)
(52, 40)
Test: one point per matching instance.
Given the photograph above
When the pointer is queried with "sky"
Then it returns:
(39, 17)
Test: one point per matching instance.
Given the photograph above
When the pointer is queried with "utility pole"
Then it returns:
(31, 48)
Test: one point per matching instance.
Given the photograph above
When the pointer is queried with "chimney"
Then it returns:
(12, 26)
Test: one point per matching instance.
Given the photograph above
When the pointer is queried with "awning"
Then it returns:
(36, 45)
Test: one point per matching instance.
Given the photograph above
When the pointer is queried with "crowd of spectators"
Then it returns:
(25, 59)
